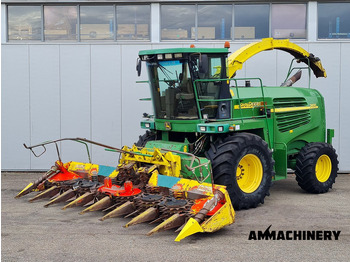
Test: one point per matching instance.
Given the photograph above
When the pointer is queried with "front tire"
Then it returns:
(243, 163)
(316, 167)
(148, 136)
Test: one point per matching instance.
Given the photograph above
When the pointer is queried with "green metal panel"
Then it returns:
(330, 135)
(280, 157)
(287, 118)
(214, 128)
(177, 125)
(176, 146)
(148, 124)
(201, 174)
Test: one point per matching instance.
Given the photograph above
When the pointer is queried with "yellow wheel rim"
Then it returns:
(323, 168)
(249, 173)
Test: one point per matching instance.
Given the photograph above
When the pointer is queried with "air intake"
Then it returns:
(293, 118)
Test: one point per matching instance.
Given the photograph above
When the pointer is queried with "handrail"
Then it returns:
(238, 98)
(110, 148)
(290, 70)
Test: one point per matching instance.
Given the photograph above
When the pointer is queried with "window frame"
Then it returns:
(78, 35)
(7, 40)
(195, 23)
(318, 26)
(306, 19)
(269, 4)
(157, 36)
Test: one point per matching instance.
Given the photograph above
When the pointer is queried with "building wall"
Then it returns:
(58, 90)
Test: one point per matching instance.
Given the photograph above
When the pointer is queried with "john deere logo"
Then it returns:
(167, 125)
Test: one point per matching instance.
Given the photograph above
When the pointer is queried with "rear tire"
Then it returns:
(243, 163)
(316, 167)
(148, 136)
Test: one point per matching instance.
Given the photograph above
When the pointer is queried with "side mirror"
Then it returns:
(203, 64)
(138, 66)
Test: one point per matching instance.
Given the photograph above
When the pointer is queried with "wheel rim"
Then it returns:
(249, 173)
(323, 168)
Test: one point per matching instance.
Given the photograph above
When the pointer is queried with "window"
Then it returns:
(133, 22)
(24, 23)
(214, 22)
(60, 22)
(172, 89)
(177, 21)
(215, 67)
(251, 21)
(96, 23)
(334, 20)
(288, 21)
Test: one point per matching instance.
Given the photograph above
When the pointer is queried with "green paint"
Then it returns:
(287, 118)
(330, 135)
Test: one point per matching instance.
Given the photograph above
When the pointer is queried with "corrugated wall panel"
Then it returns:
(330, 86)
(15, 116)
(106, 106)
(75, 98)
(44, 100)
(132, 108)
(262, 65)
(344, 104)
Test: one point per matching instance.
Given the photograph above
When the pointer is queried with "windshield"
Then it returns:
(172, 90)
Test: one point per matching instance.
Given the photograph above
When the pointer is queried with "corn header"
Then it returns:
(214, 143)
(168, 187)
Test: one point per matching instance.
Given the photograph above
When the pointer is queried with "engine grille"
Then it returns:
(291, 119)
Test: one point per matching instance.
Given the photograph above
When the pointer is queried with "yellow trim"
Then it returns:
(323, 168)
(249, 105)
(291, 109)
(249, 173)
(24, 189)
(190, 228)
(223, 217)
(236, 60)
(168, 163)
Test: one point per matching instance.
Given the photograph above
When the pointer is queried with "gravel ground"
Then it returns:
(30, 232)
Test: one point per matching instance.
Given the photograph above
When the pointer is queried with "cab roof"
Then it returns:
(184, 50)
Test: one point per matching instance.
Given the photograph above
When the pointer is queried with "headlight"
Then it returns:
(147, 125)
(168, 56)
(202, 128)
(220, 128)
(160, 57)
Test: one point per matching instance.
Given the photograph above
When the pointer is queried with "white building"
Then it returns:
(68, 67)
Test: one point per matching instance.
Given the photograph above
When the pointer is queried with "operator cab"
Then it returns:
(187, 84)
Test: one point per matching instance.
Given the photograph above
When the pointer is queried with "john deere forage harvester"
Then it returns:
(214, 142)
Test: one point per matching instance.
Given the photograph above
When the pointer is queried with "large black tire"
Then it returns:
(238, 157)
(148, 136)
(316, 167)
